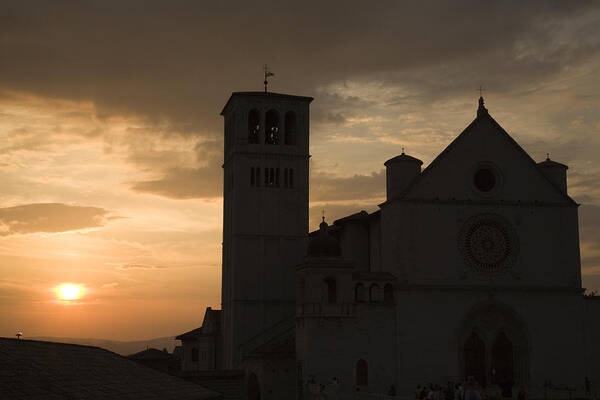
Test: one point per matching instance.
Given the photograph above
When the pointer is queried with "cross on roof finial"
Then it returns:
(267, 75)
(481, 110)
(323, 214)
(547, 156)
(403, 150)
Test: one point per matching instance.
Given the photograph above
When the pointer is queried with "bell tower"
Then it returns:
(265, 212)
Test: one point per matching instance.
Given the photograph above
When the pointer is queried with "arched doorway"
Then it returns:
(253, 387)
(503, 364)
(475, 358)
(494, 345)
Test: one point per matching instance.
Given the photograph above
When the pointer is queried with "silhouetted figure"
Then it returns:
(457, 391)
(314, 389)
(588, 387)
(392, 391)
(472, 389)
(331, 392)
(418, 392)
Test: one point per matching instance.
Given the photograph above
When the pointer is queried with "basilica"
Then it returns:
(469, 268)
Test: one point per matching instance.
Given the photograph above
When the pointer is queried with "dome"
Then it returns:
(403, 158)
(323, 245)
(548, 163)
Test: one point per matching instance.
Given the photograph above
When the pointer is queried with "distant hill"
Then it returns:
(123, 348)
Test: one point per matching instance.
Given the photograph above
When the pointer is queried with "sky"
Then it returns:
(111, 139)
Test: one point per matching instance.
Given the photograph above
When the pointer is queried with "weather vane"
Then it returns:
(267, 75)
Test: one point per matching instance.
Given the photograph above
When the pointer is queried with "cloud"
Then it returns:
(184, 183)
(126, 267)
(50, 218)
(189, 172)
(327, 187)
(171, 67)
(173, 62)
(18, 293)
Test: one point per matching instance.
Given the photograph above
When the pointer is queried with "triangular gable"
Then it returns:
(450, 174)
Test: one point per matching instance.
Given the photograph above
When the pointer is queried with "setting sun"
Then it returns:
(69, 291)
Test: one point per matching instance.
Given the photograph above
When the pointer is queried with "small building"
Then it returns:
(201, 347)
(31, 369)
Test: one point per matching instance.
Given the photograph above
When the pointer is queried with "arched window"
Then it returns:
(272, 127)
(374, 293)
(194, 354)
(362, 373)
(253, 126)
(290, 128)
(388, 293)
(331, 290)
(359, 293)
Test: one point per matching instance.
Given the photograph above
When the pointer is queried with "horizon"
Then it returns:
(111, 145)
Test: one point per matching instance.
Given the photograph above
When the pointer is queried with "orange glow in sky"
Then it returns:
(69, 291)
(111, 161)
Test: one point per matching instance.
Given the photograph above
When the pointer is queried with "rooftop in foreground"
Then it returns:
(31, 369)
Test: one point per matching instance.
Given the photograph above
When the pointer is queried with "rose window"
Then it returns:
(488, 243)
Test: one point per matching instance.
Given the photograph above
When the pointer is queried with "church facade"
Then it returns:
(471, 267)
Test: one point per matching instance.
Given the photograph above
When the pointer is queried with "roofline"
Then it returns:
(358, 216)
(57, 343)
(444, 152)
(263, 94)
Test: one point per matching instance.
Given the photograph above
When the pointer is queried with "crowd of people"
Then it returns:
(470, 389)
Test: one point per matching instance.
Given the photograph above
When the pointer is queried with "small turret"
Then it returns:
(400, 171)
(555, 172)
(323, 245)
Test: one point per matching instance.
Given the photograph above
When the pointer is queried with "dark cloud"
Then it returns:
(49, 217)
(184, 183)
(325, 187)
(173, 64)
(177, 61)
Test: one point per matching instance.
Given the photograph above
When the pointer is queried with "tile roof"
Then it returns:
(31, 370)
